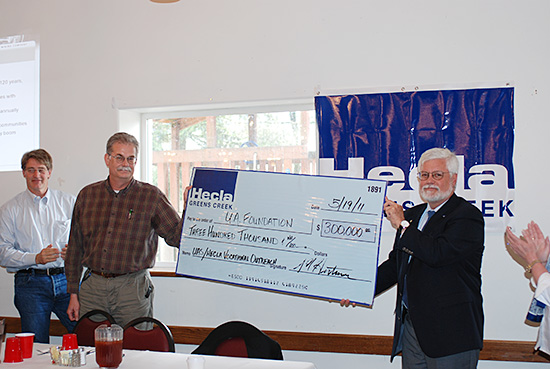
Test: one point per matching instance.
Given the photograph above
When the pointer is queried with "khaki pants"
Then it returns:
(125, 297)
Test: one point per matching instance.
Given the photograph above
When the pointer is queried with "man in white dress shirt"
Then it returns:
(34, 231)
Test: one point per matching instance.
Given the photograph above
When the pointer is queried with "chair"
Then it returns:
(159, 338)
(239, 339)
(86, 326)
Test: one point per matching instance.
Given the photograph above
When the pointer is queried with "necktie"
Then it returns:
(430, 214)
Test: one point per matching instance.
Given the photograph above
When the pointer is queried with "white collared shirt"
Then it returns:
(29, 223)
(424, 218)
(542, 294)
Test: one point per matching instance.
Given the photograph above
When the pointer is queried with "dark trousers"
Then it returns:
(414, 357)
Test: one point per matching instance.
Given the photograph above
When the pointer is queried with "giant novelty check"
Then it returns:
(306, 235)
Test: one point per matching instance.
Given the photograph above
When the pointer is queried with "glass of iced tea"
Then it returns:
(108, 345)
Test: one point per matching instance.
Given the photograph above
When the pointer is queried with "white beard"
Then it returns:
(437, 196)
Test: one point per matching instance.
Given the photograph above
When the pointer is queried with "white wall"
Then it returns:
(103, 55)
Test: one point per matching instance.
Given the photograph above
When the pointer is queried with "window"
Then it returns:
(268, 140)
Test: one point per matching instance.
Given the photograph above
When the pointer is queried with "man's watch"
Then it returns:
(404, 224)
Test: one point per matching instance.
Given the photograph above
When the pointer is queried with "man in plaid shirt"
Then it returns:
(114, 234)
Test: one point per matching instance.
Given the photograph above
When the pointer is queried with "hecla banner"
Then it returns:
(382, 136)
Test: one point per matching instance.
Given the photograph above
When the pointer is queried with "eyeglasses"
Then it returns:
(437, 175)
(40, 171)
(120, 159)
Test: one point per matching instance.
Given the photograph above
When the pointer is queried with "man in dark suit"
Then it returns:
(436, 264)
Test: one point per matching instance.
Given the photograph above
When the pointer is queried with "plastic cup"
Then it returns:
(70, 341)
(27, 341)
(13, 352)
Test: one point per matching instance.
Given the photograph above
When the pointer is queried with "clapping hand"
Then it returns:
(531, 245)
(47, 255)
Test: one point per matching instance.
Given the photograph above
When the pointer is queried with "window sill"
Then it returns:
(160, 273)
(164, 269)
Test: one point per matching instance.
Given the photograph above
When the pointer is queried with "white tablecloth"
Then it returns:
(161, 360)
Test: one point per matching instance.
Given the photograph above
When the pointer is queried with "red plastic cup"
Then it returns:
(69, 341)
(27, 340)
(13, 352)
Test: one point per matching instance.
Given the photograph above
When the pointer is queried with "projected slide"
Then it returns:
(19, 102)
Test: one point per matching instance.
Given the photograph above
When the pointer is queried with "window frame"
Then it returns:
(188, 111)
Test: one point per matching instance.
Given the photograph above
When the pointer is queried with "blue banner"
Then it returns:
(384, 135)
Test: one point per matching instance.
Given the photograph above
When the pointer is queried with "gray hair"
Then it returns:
(122, 137)
(440, 153)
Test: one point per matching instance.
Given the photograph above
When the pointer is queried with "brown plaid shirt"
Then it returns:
(118, 232)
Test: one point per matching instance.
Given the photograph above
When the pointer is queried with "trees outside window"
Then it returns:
(283, 142)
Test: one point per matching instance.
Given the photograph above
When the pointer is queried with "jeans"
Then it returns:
(36, 297)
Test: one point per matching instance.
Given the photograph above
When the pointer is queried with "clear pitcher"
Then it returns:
(108, 345)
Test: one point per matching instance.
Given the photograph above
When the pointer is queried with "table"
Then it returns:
(166, 360)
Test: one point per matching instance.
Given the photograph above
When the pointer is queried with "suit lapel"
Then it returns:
(413, 217)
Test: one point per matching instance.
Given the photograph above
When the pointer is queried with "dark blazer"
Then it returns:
(443, 278)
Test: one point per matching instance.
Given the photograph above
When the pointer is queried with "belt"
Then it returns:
(108, 275)
(49, 271)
